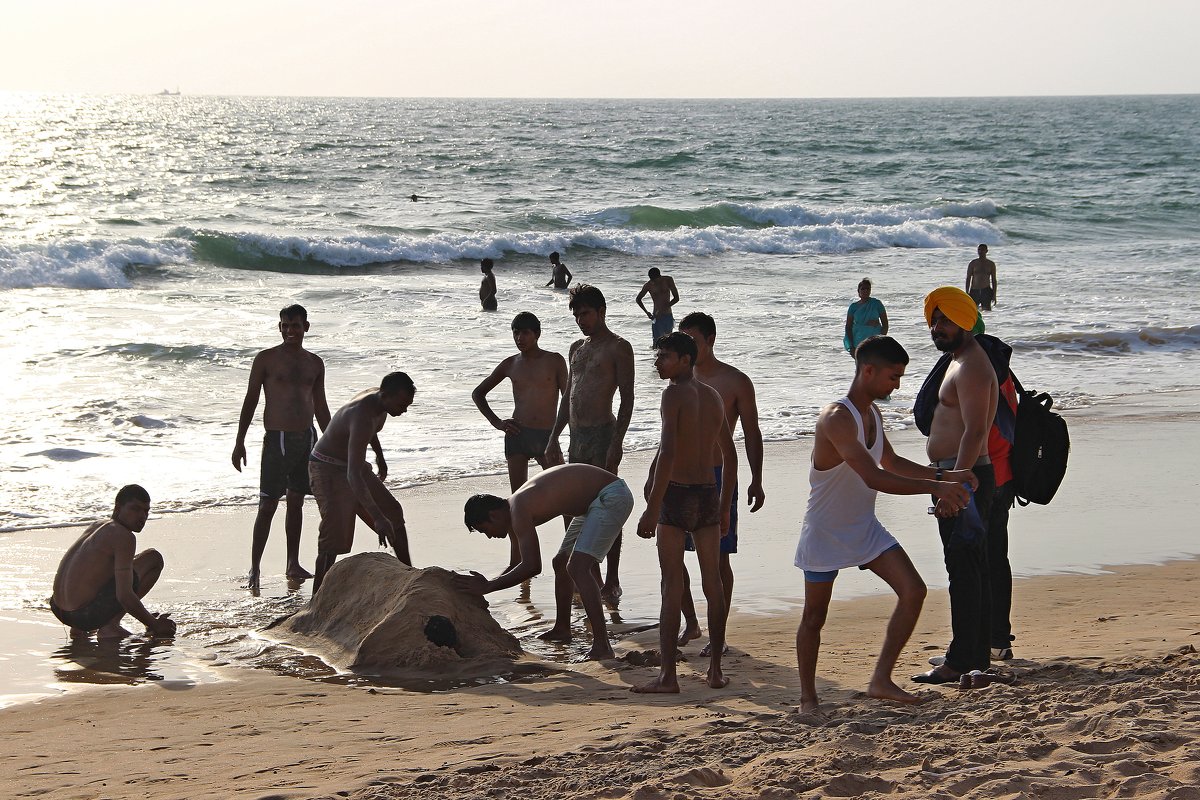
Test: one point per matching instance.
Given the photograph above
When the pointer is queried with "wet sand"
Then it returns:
(1106, 701)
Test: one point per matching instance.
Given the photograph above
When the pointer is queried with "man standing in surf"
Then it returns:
(487, 286)
(664, 295)
(684, 498)
(294, 382)
(560, 276)
(981, 280)
(601, 364)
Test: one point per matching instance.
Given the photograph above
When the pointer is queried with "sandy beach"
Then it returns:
(1105, 703)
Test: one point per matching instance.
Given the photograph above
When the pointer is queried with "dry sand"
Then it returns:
(1106, 701)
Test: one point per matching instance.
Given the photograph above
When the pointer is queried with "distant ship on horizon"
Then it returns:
(169, 93)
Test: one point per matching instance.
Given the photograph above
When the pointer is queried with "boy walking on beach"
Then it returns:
(601, 364)
(852, 461)
(539, 378)
(737, 396)
(967, 398)
(294, 382)
(663, 293)
(599, 503)
(100, 580)
(684, 498)
(343, 483)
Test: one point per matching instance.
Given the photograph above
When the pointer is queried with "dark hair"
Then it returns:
(554, 255)
(677, 342)
(293, 311)
(395, 381)
(525, 321)
(879, 350)
(654, 272)
(487, 263)
(586, 295)
(698, 320)
(132, 492)
(865, 282)
(479, 507)
(982, 248)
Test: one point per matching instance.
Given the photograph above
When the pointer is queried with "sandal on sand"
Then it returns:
(935, 678)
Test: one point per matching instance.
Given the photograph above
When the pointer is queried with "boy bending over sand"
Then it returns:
(599, 503)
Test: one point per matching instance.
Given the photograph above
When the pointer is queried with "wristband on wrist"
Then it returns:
(937, 475)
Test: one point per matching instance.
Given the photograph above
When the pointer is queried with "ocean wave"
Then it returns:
(1140, 340)
(85, 264)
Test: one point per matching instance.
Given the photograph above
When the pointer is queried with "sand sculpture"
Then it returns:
(379, 616)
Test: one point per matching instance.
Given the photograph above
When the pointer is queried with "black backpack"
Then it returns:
(1040, 449)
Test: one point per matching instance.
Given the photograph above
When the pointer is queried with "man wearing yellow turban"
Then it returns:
(966, 406)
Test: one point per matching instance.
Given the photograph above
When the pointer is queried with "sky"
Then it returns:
(613, 48)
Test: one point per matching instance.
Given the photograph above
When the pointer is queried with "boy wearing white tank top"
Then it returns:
(852, 461)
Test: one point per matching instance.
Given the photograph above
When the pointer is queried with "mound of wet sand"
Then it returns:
(377, 615)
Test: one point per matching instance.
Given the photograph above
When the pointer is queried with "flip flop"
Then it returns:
(934, 678)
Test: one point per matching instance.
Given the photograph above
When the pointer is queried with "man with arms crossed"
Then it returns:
(663, 293)
(683, 498)
(966, 407)
(737, 396)
(852, 461)
(981, 279)
(343, 483)
(599, 503)
(100, 580)
(294, 381)
(601, 364)
(538, 378)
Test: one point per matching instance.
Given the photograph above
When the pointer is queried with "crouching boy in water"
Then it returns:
(100, 580)
(852, 461)
(599, 503)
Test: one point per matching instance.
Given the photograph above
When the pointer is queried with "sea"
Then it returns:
(147, 244)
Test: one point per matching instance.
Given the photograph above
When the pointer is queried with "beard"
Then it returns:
(949, 344)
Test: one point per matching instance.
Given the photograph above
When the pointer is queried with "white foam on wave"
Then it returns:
(887, 216)
(83, 264)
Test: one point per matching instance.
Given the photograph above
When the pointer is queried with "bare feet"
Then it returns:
(252, 580)
(611, 595)
(888, 690)
(715, 679)
(690, 631)
(296, 572)
(659, 685)
(706, 651)
(556, 634)
(600, 651)
(79, 633)
(113, 631)
(809, 706)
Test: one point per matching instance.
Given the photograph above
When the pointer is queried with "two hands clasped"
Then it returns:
(952, 494)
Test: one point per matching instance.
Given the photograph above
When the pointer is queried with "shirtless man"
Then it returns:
(560, 276)
(601, 364)
(487, 286)
(294, 381)
(100, 580)
(852, 461)
(966, 407)
(663, 293)
(683, 498)
(343, 483)
(597, 501)
(737, 396)
(538, 378)
(981, 280)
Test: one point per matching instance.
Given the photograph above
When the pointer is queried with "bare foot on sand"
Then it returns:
(297, 573)
(252, 581)
(600, 651)
(888, 690)
(689, 632)
(657, 686)
(556, 634)
(706, 651)
(716, 680)
(112, 632)
(809, 706)
(611, 595)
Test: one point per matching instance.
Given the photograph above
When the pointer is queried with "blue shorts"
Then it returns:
(729, 540)
(593, 533)
(811, 576)
(661, 326)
